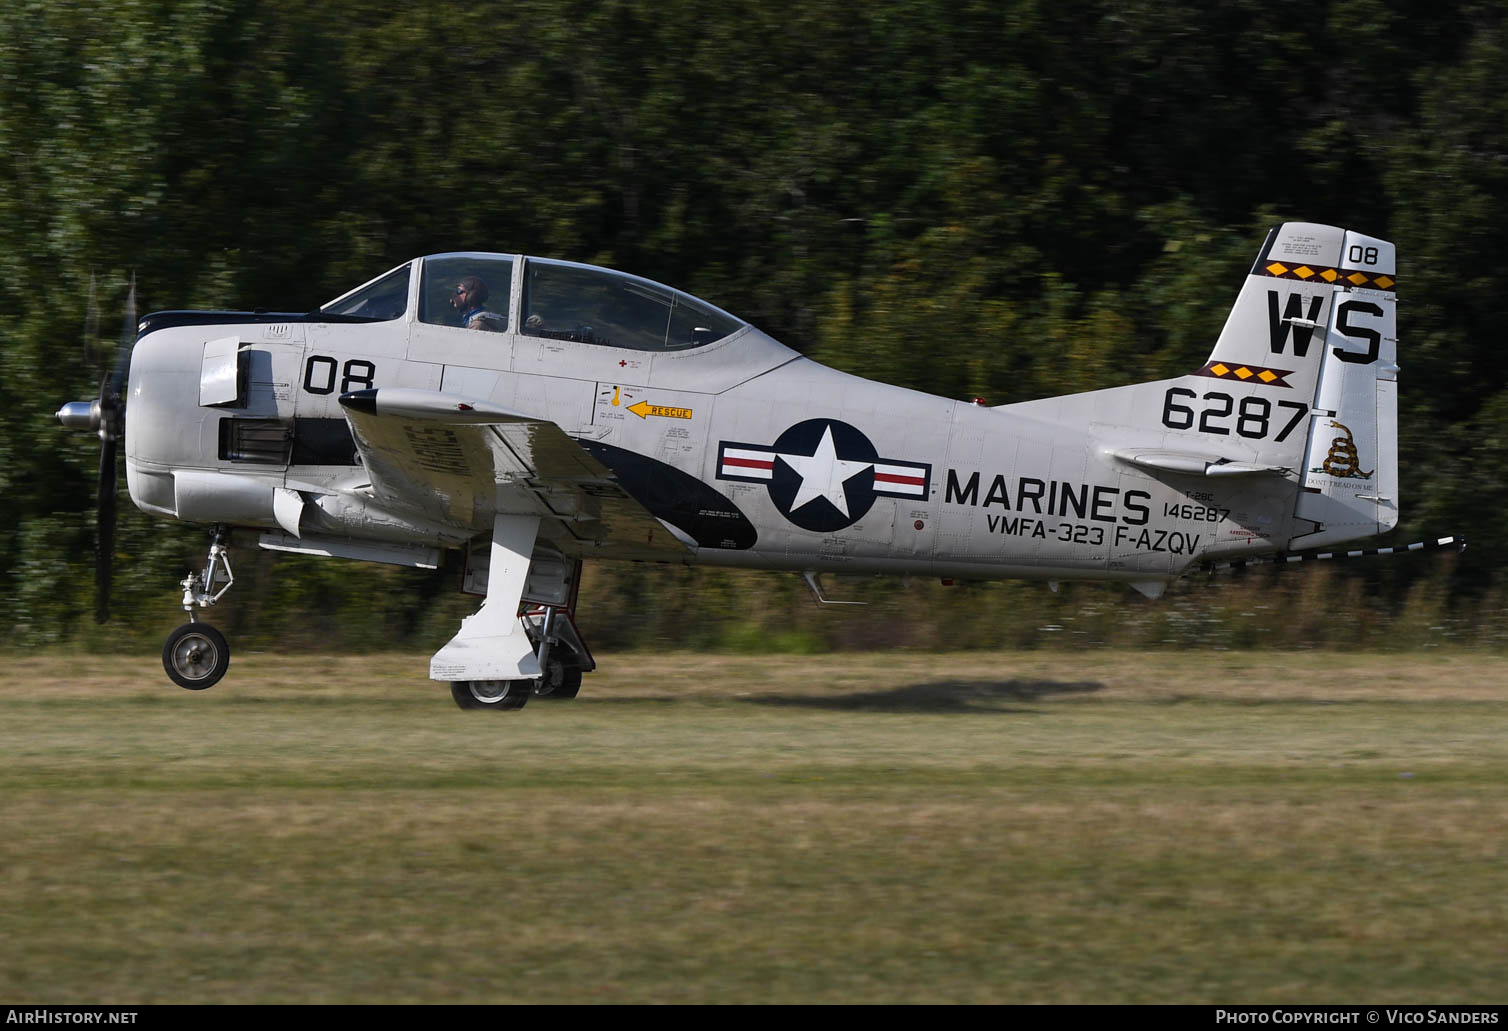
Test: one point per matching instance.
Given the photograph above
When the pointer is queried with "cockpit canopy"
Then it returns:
(561, 300)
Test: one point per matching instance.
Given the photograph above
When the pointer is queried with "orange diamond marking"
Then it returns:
(1267, 376)
(1277, 268)
(1244, 373)
(1386, 282)
(1303, 271)
(1219, 370)
(1357, 278)
(1329, 275)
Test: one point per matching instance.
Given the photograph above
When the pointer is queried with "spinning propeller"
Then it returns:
(107, 416)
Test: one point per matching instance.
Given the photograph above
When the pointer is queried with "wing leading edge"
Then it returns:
(463, 461)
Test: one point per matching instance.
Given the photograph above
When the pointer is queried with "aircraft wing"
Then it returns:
(459, 460)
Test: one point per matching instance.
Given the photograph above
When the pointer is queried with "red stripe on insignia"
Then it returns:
(914, 481)
(751, 463)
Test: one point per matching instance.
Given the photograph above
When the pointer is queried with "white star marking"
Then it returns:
(823, 474)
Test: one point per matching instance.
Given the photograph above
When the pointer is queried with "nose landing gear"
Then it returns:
(196, 655)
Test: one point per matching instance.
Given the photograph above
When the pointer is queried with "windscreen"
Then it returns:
(382, 299)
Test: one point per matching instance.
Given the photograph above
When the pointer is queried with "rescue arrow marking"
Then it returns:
(644, 410)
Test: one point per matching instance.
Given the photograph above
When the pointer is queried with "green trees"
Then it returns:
(977, 199)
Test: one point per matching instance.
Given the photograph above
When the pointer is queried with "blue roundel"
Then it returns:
(823, 475)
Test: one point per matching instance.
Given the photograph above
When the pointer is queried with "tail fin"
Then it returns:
(1302, 381)
(1349, 469)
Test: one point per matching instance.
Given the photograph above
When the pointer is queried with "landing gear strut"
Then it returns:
(562, 655)
(196, 655)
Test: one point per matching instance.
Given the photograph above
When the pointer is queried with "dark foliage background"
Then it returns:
(997, 199)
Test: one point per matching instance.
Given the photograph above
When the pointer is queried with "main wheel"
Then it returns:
(562, 679)
(490, 694)
(196, 656)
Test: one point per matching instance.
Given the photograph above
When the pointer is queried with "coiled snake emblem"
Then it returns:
(1343, 459)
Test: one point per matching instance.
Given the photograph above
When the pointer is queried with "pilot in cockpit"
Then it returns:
(470, 302)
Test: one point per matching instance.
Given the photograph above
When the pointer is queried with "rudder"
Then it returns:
(1350, 470)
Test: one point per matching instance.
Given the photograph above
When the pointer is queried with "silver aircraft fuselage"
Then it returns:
(759, 457)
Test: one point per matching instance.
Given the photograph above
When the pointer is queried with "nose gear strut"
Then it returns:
(196, 655)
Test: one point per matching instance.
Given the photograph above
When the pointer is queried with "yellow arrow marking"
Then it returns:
(644, 410)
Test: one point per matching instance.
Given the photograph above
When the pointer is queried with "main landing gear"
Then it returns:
(562, 656)
(196, 655)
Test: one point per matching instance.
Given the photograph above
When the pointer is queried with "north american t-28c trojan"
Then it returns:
(538, 412)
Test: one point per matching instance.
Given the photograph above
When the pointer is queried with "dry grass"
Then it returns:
(880, 828)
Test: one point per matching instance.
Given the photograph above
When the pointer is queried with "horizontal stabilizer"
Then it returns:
(1192, 463)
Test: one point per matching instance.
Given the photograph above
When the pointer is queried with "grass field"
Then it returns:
(981, 827)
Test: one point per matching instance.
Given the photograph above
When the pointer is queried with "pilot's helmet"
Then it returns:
(474, 287)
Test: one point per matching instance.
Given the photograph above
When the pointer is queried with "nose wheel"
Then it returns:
(196, 656)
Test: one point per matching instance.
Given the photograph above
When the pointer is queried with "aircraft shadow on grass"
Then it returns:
(938, 696)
